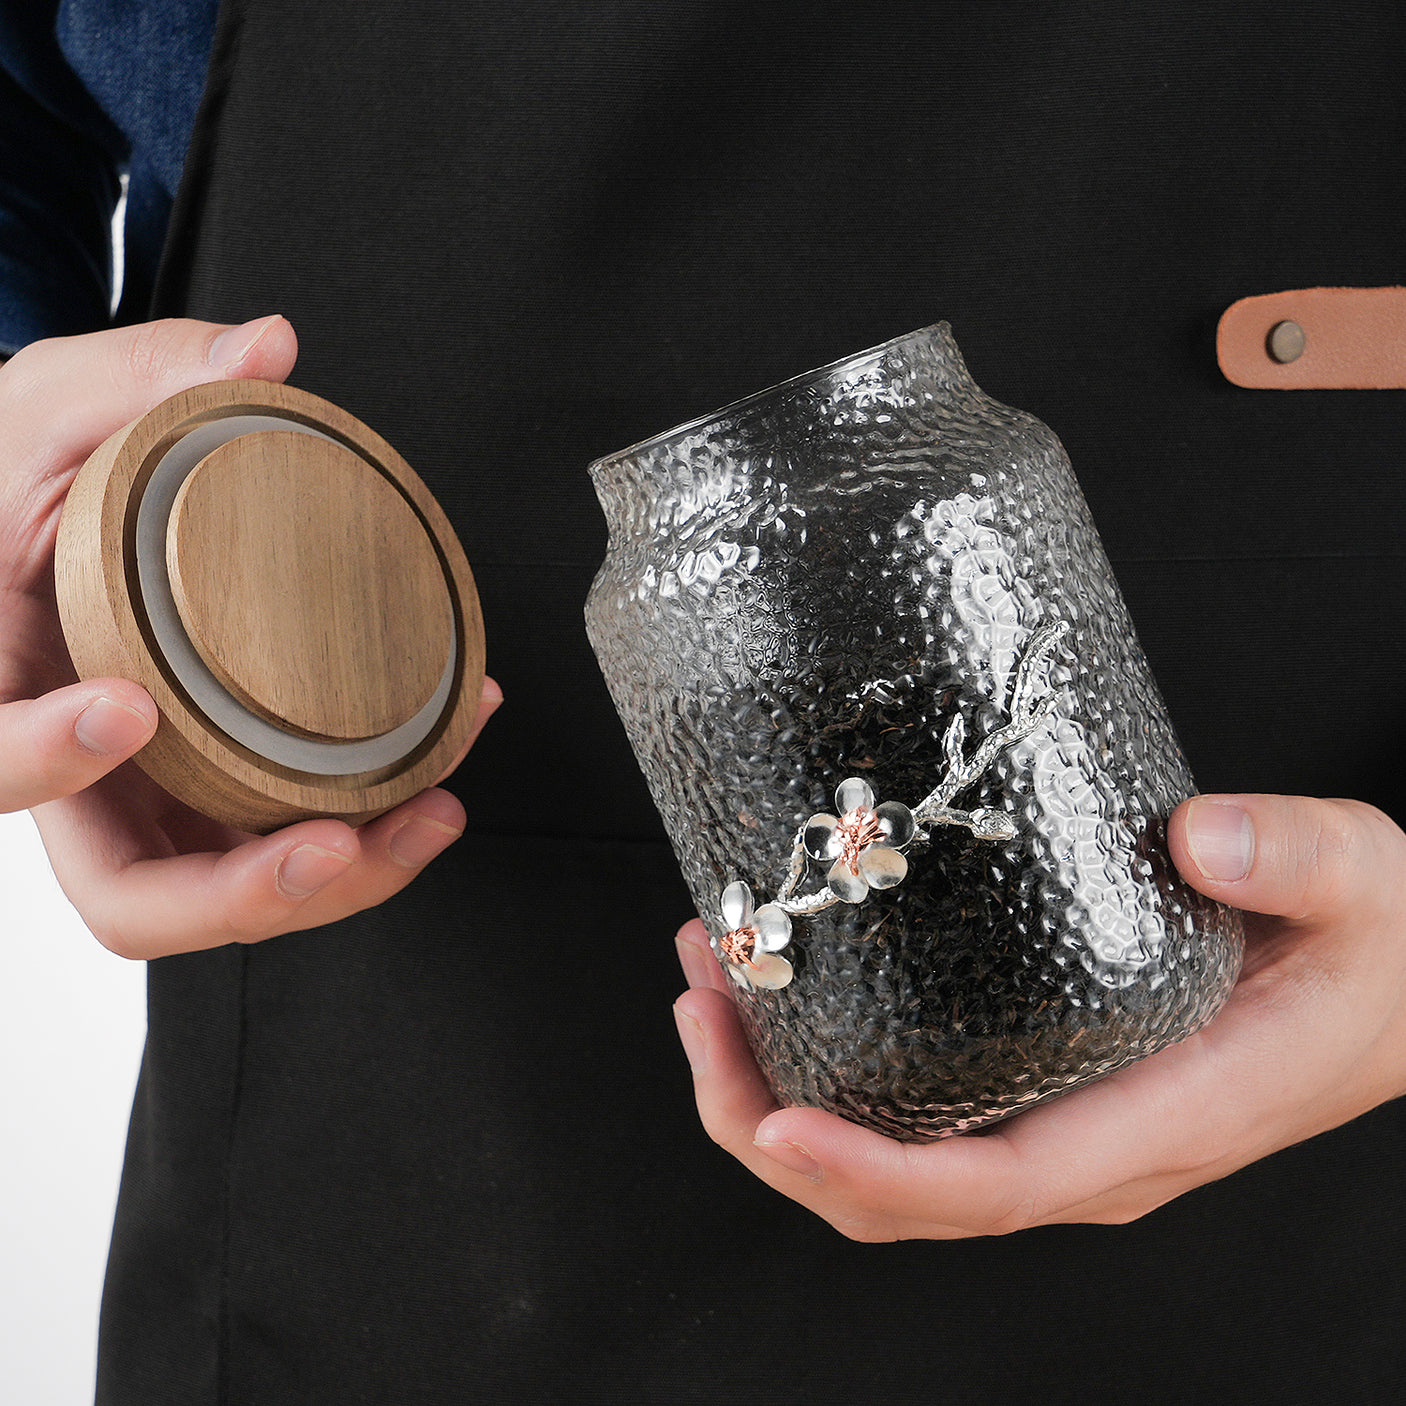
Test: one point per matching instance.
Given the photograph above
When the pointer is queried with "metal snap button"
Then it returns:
(1285, 342)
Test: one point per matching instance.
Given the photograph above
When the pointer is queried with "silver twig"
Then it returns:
(797, 871)
(1031, 702)
(1030, 705)
(808, 904)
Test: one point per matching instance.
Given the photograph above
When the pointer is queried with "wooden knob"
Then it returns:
(288, 591)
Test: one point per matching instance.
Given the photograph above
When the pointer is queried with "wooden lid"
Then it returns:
(290, 594)
(309, 586)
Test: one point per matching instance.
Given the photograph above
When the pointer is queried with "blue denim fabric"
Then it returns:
(90, 90)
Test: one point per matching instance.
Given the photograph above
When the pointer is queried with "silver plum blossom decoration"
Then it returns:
(864, 844)
(749, 949)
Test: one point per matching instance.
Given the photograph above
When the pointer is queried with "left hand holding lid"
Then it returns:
(149, 876)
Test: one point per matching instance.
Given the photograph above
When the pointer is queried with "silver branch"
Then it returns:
(808, 904)
(796, 872)
(1030, 704)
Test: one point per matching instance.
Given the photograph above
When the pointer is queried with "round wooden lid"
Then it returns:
(288, 591)
(309, 586)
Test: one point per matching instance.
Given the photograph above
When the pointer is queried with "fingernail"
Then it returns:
(107, 728)
(233, 345)
(309, 868)
(695, 1042)
(419, 840)
(488, 705)
(794, 1157)
(1221, 839)
(697, 966)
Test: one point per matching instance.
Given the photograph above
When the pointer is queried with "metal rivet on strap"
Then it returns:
(1285, 342)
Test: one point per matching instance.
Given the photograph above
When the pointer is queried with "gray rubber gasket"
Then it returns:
(219, 705)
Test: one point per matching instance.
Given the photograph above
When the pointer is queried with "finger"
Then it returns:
(1311, 861)
(1107, 1152)
(868, 1186)
(65, 741)
(154, 907)
(395, 848)
(875, 1188)
(732, 1096)
(489, 702)
(63, 396)
(1070, 1159)
(143, 900)
(695, 953)
(307, 875)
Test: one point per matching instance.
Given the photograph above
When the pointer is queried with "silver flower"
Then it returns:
(862, 842)
(748, 949)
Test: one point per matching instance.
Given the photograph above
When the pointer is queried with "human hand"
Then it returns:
(148, 875)
(1313, 1035)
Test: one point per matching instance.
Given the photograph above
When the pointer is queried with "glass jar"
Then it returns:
(886, 694)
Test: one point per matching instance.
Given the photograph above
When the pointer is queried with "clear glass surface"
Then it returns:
(810, 586)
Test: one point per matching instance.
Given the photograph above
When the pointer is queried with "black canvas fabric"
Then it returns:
(446, 1152)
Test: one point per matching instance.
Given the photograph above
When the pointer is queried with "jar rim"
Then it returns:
(819, 373)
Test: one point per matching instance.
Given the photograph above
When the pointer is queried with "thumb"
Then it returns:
(1310, 861)
(64, 396)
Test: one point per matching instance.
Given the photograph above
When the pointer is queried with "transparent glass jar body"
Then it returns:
(810, 585)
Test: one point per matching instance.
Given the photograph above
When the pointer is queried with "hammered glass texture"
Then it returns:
(807, 586)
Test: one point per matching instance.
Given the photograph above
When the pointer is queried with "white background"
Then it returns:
(72, 1019)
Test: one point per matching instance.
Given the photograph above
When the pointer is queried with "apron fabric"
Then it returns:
(446, 1151)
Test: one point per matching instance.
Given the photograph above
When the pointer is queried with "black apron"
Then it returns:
(446, 1152)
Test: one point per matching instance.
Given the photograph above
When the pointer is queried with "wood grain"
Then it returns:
(309, 586)
(108, 633)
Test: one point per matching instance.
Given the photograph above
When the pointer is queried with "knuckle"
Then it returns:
(716, 1128)
(243, 922)
(1020, 1212)
(153, 350)
(1008, 1223)
(56, 771)
(1333, 857)
(729, 1131)
(14, 371)
(45, 775)
(23, 377)
(1372, 817)
(1377, 839)
(115, 938)
(243, 917)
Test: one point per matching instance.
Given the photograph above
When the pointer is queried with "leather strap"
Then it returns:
(1316, 339)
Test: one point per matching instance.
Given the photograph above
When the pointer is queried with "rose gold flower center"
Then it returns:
(739, 945)
(857, 829)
